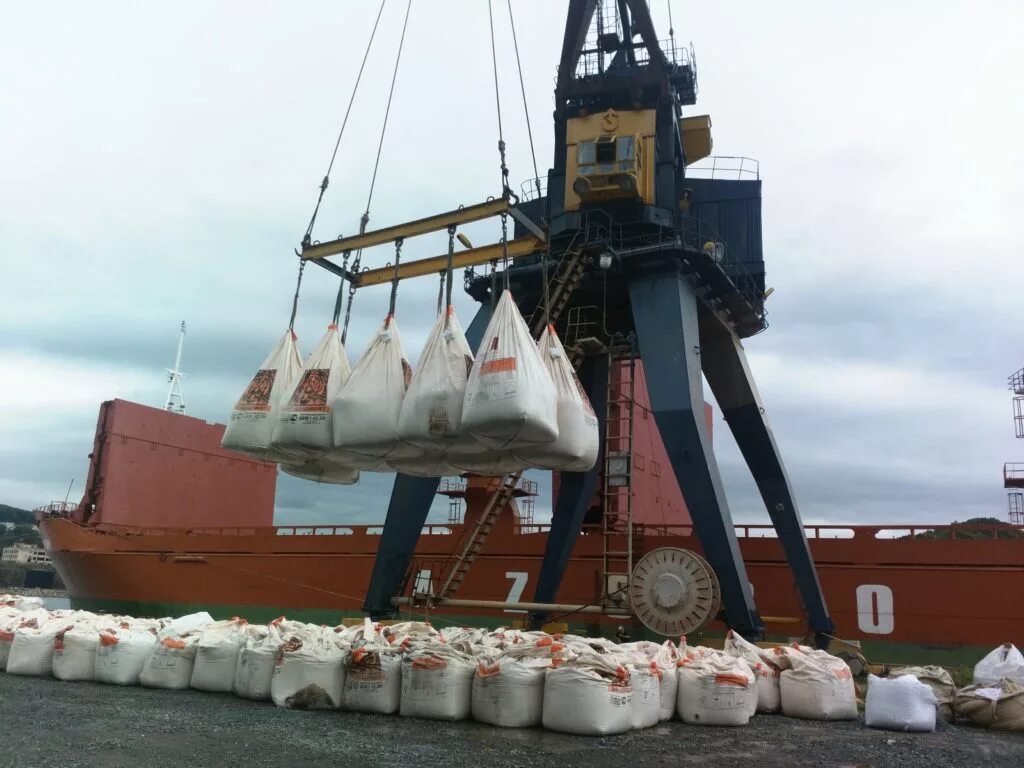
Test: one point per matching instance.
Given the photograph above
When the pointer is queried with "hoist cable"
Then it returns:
(451, 264)
(295, 299)
(394, 281)
(341, 288)
(344, 122)
(351, 295)
(671, 29)
(546, 286)
(387, 110)
(497, 100)
(440, 295)
(522, 88)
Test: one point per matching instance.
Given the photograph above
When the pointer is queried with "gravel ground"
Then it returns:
(45, 722)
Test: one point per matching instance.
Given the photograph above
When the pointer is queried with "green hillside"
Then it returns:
(10, 514)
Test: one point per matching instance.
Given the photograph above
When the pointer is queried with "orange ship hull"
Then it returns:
(900, 591)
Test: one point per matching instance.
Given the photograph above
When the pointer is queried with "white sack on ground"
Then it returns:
(939, 680)
(304, 426)
(646, 682)
(431, 414)
(25, 603)
(373, 680)
(588, 700)
(999, 707)
(899, 704)
(509, 692)
(760, 661)
(250, 429)
(818, 686)
(74, 652)
(32, 649)
(368, 405)
(217, 656)
(575, 449)
(1005, 662)
(510, 397)
(437, 683)
(310, 672)
(170, 662)
(256, 661)
(121, 655)
(716, 690)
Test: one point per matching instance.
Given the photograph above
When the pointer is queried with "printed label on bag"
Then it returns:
(310, 395)
(257, 395)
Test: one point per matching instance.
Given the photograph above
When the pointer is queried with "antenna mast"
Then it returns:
(175, 399)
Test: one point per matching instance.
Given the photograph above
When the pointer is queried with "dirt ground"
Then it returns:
(46, 722)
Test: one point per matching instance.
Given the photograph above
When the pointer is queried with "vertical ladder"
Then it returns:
(617, 496)
(566, 279)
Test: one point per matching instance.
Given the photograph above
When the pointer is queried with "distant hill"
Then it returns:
(10, 514)
(1003, 530)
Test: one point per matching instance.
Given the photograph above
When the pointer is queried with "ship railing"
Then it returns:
(732, 167)
(56, 509)
(959, 531)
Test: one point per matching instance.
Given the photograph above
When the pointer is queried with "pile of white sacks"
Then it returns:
(518, 405)
(507, 678)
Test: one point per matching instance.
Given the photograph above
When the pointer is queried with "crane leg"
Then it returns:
(665, 317)
(411, 499)
(728, 374)
(575, 493)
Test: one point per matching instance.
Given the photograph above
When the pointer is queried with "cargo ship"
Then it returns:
(170, 522)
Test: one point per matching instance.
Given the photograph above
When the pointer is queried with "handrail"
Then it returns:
(749, 531)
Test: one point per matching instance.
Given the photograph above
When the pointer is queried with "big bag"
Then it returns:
(250, 429)
(510, 397)
(367, 407)
(577, 444)
(1005, 662)
(304, 424)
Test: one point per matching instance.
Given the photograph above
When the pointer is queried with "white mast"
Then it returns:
(175, 399)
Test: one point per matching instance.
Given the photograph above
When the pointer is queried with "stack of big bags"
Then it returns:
(517, 405)
(996, 699)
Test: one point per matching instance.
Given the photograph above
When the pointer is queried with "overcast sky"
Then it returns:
(160, 162)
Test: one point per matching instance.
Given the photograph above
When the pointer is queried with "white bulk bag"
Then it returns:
(587, 700)
(509, 692)
(469, 456)
(761, 662)
(373, 680)
(939, 680)
(818, 687)
(32, 650)
(169, 664)
(899, 704)
(665, 657)
(121, 656)
(304, 426)
(431, 415)
(26, 604)
(322, 470)
(437, 683)
(254, 417)
(1005, 662)
(217, 656)
(575, 449)
(256, 661)
(716, 690)
(510, 397)
(310, 673)
(74, 653)
(368, 405)
(999, 707)
(7, 628)
(646, 681)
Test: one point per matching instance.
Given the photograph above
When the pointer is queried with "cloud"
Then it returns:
(164, 166)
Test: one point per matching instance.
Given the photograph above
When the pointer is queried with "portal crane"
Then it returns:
(676, 264)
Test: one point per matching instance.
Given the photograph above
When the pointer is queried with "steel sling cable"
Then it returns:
(341, 288)
(522, 88)
(323, 185)
(295, 299)
(505, 190)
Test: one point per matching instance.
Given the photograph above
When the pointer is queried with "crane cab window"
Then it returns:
(606, 154)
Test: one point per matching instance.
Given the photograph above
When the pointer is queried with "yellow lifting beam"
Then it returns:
(522, 246)
(408, 229)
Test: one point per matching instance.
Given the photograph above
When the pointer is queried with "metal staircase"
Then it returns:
(617, 503)
(566, 279)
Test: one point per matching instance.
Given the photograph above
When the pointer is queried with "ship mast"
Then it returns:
(175, 398)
